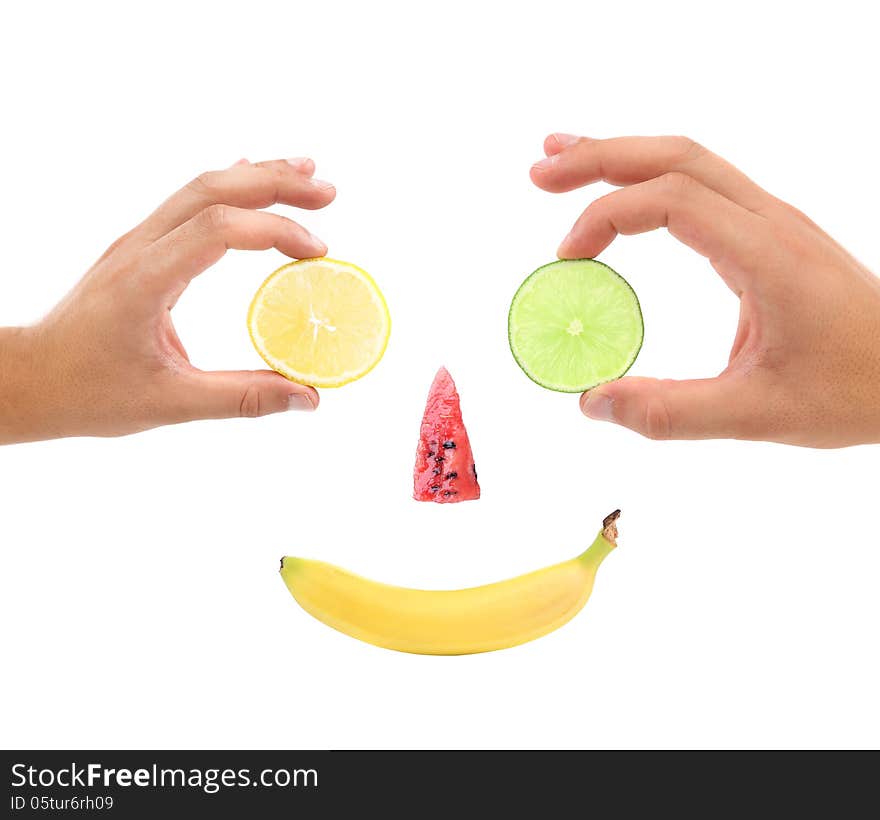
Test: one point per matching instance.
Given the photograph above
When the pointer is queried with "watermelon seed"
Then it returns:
(451, 475)
(448, 445)
(439, 459)
(448, 493)
(435, 487)
(436, 471)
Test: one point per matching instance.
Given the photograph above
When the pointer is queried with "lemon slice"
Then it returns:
(320, 322)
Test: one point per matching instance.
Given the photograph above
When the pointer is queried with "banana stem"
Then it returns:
(604, 543)
(609, 527)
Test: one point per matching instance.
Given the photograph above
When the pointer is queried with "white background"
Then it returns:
(140, 604)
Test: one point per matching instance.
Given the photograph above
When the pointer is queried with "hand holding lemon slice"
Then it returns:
(320, 322)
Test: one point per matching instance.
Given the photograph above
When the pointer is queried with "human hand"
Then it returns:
(107, 360)
(805, 364)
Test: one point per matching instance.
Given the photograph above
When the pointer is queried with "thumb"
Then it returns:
(667, 409)
(228, 394)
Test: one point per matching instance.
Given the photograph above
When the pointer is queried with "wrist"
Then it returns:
(19, 416)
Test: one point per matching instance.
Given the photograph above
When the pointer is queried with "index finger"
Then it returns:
(630, 160)
(178, 257)
(701, 218)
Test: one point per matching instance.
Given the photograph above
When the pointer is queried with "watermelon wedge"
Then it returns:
(444, 470)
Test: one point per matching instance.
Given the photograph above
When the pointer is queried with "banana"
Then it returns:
(449, 622)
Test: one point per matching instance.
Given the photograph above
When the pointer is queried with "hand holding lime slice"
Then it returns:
(574, 324)
(320, 322)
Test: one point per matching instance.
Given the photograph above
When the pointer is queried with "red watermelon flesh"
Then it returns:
(444, 470)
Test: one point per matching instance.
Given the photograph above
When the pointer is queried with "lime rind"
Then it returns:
(584, 329)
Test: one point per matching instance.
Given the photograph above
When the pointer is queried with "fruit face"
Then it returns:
(320, 322)
(574, 324)
(449, 622)
(444, 470)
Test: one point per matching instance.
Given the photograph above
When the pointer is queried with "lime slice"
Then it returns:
(320, 322)
(574, 324)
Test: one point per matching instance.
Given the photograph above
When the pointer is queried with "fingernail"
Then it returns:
(564, 140)
(318, 243)
(300, 163)
(300, 401)
(596, 405)
(320, 183)
(547, 162)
